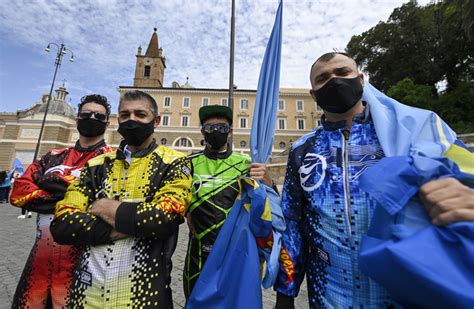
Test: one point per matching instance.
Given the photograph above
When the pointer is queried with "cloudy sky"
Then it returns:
(194, 34)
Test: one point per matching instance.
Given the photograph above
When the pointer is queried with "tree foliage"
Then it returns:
(418, 47)
(427, 44)
(456, 107)
(408, 92)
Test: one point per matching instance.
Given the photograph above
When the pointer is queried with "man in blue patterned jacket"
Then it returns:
(325, 210)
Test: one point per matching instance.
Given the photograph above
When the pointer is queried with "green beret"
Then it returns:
(210, 111)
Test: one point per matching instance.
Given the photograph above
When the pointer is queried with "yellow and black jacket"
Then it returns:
(154, 186)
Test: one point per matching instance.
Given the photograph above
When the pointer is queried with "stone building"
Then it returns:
(19, 131)
(178, 106)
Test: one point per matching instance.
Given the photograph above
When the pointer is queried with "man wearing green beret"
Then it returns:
(215, 188)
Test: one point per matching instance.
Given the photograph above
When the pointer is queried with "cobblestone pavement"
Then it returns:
(16, 240)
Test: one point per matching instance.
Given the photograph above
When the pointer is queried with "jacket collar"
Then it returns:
(363, 117)
(218, 155)
(137, 154)
(94, 147)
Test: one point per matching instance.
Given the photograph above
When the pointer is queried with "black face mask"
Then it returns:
(216, 140)
(91, 127)
(339, 94)
(135, 132)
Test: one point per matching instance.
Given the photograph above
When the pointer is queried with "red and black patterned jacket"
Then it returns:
(47, 274)
(46, 180)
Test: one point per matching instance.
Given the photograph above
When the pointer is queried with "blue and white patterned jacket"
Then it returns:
(327, 214)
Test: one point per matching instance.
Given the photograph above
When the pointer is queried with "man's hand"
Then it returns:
(259, 171)
(105, 209)
(447, 201)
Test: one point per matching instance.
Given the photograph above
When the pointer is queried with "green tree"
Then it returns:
(416, 48)
(427, 44)
(408, 92)
(456, 107)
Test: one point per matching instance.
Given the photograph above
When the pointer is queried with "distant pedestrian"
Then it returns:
(24, 213)
(5, 183)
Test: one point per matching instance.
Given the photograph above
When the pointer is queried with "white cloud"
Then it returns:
(194, 35)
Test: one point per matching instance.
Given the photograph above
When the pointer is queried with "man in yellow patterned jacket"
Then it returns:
(125, 208)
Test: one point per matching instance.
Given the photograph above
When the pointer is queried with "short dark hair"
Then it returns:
(135, 95)
(95, 98)
(328, 56)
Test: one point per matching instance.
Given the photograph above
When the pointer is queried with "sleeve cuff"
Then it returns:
(101, 233)
(125, 218)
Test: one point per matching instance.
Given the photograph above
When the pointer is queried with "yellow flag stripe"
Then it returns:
(442, 136)
(463, 158)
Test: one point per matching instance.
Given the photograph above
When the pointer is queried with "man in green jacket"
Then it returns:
(215, 188)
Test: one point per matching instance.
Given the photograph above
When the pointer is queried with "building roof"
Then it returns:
(297, 92)
(58, 107)
(153, 49)
(294, 90)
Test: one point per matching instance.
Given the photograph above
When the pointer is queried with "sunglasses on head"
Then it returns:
(221, 128)
(96, 115)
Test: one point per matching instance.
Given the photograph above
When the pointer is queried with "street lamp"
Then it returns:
(62, 50)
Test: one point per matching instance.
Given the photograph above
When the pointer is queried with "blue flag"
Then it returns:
(263, 132)
(266, 102)
(405, 130)
(231, 276)
(17, 166)
(420, 264)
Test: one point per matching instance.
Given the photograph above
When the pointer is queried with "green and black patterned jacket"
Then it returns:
(215, 189)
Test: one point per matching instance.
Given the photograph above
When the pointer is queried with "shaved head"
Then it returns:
(329, 62)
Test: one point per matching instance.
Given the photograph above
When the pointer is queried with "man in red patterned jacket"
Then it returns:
(47, 275)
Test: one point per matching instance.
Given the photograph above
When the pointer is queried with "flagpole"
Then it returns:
(231, 68)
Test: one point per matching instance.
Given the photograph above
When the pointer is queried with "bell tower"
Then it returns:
(150, 67)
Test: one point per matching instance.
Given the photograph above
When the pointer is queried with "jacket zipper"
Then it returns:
(345, 172)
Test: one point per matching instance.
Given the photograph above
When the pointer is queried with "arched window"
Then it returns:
(183, 142)
(147, 71)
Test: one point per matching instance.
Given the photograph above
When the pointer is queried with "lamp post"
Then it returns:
(62, 50)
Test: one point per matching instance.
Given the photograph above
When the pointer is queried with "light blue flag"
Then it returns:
(263, 132)
(17, 166)
(266, 103)
(404, 130)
